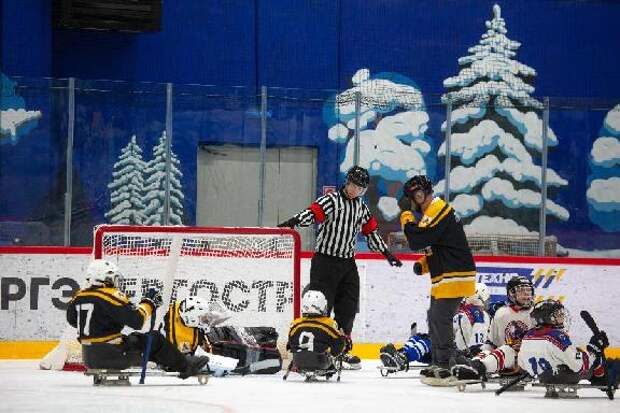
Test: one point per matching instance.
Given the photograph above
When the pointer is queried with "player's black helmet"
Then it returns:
(359, 176)
(514, 285)
(416, 183)
(549, 313)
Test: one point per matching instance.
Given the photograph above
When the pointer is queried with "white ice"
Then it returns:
(26, 389)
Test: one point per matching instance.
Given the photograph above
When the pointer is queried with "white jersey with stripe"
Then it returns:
(509, 325)
(548, 348)
(471, 325)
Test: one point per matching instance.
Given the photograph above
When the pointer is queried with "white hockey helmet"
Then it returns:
(102, 273)
(313, 303)
(481, 296)
(198, 312)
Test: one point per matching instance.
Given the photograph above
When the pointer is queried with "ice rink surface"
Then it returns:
(24, 388)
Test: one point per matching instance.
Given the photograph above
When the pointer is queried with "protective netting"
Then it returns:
(251, 271)
(492, 244)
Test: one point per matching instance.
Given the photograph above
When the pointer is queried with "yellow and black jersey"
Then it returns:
(449, 259)
(318, 334)
(184, 338)
(99, 314)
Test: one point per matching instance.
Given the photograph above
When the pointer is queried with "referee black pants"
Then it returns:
(338, 280)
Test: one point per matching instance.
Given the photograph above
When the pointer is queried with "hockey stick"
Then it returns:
(168, 280)
(587, 318)
(511, 383)
(147, 350)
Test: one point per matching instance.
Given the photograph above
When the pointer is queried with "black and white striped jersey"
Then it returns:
(340, 219)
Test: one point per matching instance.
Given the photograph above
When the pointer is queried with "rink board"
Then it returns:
(36, 284)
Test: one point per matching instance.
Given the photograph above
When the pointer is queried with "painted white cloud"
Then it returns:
(338, 133)
(12, 119)
(365, 119)
(404, 125)
(530, 125)
(386, 156)
(606, 152)
(612, 120)
(466, 205)
(504, 191)
(464, 114)
(496, 225)
(388, 207)
(482, 139)
(604, 194)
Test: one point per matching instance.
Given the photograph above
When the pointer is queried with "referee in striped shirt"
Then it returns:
(341, 215)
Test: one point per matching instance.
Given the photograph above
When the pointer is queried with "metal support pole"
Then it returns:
(263, 153)
(168, 152)
(543, 180)
(358, 108)
(446, 193)
(69, 164)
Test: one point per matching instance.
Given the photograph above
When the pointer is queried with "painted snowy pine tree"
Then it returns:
(155, 190)
(127, 186)
(495, 184)
(603, 192)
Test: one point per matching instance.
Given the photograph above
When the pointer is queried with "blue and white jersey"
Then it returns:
(547, 348)
(418, 348)
(471, 325)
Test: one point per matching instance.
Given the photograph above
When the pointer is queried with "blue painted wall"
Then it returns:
(308, 44)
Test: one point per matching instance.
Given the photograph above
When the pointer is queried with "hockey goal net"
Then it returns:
(252, 272)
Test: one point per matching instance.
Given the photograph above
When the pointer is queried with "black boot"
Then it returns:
(390, 357)
(351, 362)
(472, 369)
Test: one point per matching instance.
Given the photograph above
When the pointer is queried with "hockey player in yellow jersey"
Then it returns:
(314, 338)
(192, 326)
(187, 321)
(430, 224)
(100, 312)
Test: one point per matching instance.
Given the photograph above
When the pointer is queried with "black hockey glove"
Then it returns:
(289, 223)
(394, 262)
(598, 343)
(153, 297)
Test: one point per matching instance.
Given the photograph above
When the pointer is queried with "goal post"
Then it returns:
(252, 272)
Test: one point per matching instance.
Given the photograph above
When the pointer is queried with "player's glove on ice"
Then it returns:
(289, 223)
(394, 262)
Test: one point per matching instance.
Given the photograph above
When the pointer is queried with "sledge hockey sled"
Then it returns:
(569, 391)
(313, 365)
(110, 377)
